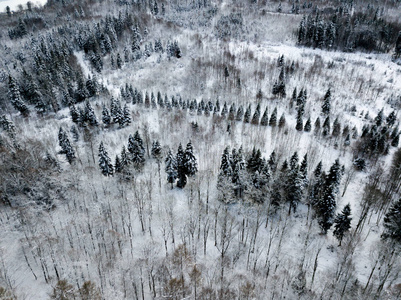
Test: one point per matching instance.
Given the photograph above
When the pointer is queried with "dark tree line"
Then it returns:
(349, 31)
(253, 178)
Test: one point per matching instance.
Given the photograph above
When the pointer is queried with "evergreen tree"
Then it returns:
(160, 101)
(294, 188)
(237, 180)
(330, 35)
(318, 170)
(247, 115)
(275, 198)
(167, 103)
(320, 35)
(347, 140)
(118, 166)
(240, 113)
(65, 145)
(147, 100)
(174, 103)
(265, 118)
(342, 223)
(124, 159)
(105, 162)
(395, 141)
(126, 117)
(272, 161)
(8, 126)
(74, 132)
(135, 97)
(74, 114)
(116, 111)
(299, 125)
(345, 131)
(294, 161)
(397, 51)
(15, 98)
(231, 113)
(327, 204)
(284, 166)
(139, 98)
(273, 118)
(301, 101)
(326, 126)
(281, 121)
(224, 110)
(256, 115)
(190, 164)
(379, 118)
(303, 169)
(336, 128)
(216, 110)
(200, 110)
(89, 114)
(225, 165)
(390, 120)
(153, 100)
(254, 162)
(91, 86)
(317, 125)
(119, 61)
(185, 104)
(135, 147)
(302, 31)
(106, 119)
(181, 171)
(392, 222)
(279, 86)
(193, 106)
(171, 168)
(308, 125)
(326, 106)
(156, 151)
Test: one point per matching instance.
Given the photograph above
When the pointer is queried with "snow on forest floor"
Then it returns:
(173, 77)
(386, 72)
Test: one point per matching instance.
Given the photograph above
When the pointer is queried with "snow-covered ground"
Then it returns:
(125, 236)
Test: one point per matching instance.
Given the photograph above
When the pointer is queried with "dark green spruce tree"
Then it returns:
(65, 145)
(392, 223)
(181, 171)
(105, 164)
(342, 223)
(137, 151)
(171, 168)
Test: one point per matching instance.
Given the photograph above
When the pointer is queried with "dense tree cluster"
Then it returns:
(181, 166)
(258, 180)
(348, 31)
(378, 136)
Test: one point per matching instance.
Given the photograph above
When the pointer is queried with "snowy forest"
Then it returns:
(170, 149)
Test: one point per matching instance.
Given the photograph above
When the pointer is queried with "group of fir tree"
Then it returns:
(135, 156)
(181, 166)
(290, 183)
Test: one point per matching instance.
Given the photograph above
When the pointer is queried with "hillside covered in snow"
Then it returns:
(203, 149)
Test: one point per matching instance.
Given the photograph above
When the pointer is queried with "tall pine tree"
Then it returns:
(392, 223)
(171, 168)
(342, 223)
(105, 164)
(181, 171)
